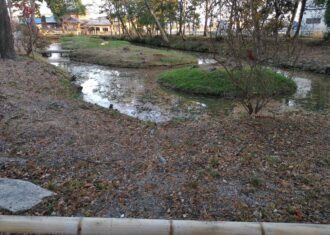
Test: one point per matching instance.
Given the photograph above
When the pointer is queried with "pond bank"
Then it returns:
(313, 55)
(311, 65)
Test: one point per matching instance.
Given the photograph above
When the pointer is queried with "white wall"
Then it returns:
(313, 12)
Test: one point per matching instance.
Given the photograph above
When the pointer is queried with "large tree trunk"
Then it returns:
(302, 10)
(164, 36)
(7, 50)
(180, 17)
(123, 25)
(124, 28)
(256, 34)
(135, 29)
(33, 21)
(293, 12)
(206, 17)
(10, 9)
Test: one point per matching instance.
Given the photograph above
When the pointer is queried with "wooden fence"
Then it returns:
(108, 226)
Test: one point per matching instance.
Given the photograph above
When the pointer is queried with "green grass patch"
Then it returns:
(122, 53)
(217, 83)
(66, 88)
(256, 181)
(82, 42)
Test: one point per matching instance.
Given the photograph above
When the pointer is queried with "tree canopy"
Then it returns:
(62, 7)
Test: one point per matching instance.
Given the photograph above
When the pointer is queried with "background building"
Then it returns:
(313, 23)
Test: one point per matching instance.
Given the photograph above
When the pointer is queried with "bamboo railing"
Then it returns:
(108, 226)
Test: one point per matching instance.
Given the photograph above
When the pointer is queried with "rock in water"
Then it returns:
(20, 195)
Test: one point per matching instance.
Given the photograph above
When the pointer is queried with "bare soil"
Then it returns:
(102, 163)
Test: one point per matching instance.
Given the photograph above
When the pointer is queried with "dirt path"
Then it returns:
(102, 163)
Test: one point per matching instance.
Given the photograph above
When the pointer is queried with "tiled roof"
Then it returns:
(100, 21)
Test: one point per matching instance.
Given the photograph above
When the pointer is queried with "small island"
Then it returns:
(217, 82)
(122, 54)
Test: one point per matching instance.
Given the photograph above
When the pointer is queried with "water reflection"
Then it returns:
(206, 60)
(313, 92)
(130, 92)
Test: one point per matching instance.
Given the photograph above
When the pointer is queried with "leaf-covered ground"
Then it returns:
(102, 163)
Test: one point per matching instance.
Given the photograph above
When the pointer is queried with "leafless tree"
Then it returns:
(251, 44)
(162, 31)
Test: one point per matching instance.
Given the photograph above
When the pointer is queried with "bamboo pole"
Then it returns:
(109, 226)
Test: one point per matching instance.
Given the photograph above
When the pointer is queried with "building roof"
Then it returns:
(101, 21)
(49, 20)
(71, 20)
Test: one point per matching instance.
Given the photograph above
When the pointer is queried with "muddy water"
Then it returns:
(135, 92)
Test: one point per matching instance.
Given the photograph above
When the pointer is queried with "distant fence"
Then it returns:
(108, 226)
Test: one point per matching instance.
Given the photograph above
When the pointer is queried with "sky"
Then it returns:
(91, 5)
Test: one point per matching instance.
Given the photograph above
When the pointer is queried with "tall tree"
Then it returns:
(301, 15)
(162, 31)
(326, 4)
(293, 15)
(206, 17)
(7, 50)
(248, 54)
(10, 10)
(61, 7)
(327, 14)
(32, 18)
(182, 10)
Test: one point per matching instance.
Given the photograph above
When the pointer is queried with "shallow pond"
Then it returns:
(135, 92)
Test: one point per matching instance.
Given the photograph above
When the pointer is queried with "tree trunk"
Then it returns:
(302, 10)
(293, 12)
(136, 30)
(206, 17)
(182, 13)
(256, 34)
(170, 28)
(10, 9)
(164, 36)
(7, 50)
(33, 21)
(123, 26)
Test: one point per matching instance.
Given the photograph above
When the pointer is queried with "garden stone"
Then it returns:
(19, 195)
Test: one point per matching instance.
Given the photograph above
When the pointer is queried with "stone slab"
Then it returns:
(19, 195)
